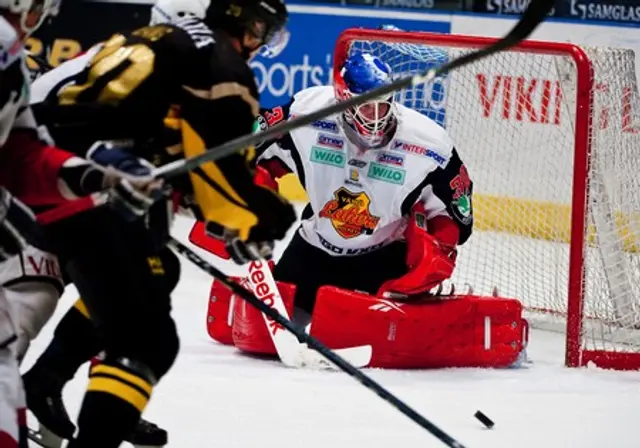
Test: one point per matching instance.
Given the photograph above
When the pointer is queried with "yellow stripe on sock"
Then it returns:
(122, 374)
(119, 389)
(80, 306)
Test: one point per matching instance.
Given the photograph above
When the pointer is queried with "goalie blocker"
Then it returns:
(434, 332)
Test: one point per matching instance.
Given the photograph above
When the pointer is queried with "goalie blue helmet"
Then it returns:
(374, 121)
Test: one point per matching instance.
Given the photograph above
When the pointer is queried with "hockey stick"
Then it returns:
(317, 346)
(293, 352)
(534, 14)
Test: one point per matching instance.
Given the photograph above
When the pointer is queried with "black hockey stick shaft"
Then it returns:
(532, 17)
(315, 344)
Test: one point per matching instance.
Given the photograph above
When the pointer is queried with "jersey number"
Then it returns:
(113, 73)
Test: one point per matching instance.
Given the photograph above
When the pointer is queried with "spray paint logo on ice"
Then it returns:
(280, 81)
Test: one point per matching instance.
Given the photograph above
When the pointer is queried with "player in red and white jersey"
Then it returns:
(38, 174)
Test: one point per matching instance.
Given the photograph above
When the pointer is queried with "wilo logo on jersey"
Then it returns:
(399, 145)
(330, 141)
(326, 125)
(391, 159)
(386, 174)
(327, 157)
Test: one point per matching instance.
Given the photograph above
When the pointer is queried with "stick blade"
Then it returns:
(359, 356)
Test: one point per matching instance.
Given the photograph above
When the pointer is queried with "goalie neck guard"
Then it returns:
(372, 122)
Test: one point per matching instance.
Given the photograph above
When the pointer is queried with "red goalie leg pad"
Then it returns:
(462, 331)
(250, 332)
(219, 314)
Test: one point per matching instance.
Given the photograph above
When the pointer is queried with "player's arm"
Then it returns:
(220, 110)
(440, 218)
(40, 174)
(278, 156)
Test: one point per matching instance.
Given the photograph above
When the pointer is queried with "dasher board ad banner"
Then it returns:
(307, 61)
(584, 34)
(620, 11)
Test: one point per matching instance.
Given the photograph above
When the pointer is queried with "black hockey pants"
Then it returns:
(124, 284)
(310, 268)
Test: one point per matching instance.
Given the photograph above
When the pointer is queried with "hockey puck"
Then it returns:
(486, 421)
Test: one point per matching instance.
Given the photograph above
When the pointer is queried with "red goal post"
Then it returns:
(547, 130)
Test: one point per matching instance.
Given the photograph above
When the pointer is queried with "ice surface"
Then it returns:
(216, 397)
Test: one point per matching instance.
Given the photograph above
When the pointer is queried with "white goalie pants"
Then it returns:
(31, 286)
(12, 400)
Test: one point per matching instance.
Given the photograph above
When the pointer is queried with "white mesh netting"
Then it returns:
(512, 117)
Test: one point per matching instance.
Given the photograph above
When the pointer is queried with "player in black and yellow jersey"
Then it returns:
(194, 71)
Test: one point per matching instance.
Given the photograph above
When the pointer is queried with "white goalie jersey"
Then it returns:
(359, 200)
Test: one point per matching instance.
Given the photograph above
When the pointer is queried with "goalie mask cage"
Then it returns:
(550, 135)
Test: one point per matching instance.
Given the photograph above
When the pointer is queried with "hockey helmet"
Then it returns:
(31, 13)
(375, 120)
(263, 19)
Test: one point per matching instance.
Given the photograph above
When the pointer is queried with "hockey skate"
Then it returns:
(44, 400)
(146, 435)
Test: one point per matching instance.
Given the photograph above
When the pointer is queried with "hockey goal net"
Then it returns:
(550, 133)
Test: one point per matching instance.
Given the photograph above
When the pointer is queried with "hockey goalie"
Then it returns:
(390, 202)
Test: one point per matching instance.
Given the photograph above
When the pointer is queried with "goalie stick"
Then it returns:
(292, 352)
(532, 17)
(318, 346)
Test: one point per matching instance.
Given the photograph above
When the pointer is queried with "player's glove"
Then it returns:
(18, 226)
(241, 252)
(133, 192)
(275, 217)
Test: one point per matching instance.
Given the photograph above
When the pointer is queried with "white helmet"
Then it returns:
(32, 12)
(165, 11)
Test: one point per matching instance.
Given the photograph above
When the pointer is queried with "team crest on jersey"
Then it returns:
(330, 141)
(461, 196)
(349, 213)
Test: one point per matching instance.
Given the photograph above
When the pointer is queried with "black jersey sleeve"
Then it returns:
(452, 185)
(142, 75)
(219, 102)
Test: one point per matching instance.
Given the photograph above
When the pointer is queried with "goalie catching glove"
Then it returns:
(431, 257)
